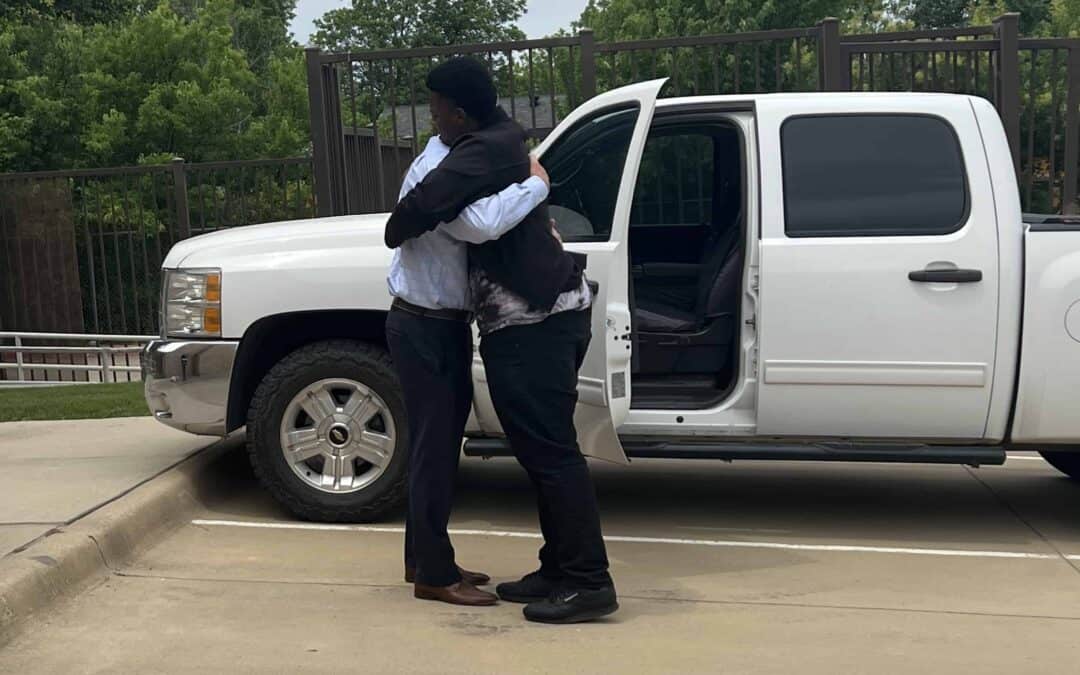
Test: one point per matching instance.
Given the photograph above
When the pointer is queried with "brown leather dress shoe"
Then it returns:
(474, 578)
(461, 593)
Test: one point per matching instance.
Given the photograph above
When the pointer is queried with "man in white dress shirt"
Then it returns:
(430, 341)
(532, 302)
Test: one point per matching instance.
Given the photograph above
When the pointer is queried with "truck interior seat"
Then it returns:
(717, 290)
(675, 341)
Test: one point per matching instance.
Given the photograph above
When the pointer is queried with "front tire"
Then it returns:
(1067, 463)
(326, 433)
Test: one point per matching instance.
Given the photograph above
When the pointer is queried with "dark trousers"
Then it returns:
(532, 374)
(433, 359)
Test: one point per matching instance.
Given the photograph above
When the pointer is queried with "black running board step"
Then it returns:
(822, 451)
(839, 451)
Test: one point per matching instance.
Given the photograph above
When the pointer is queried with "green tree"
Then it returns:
(14, 121)
(765, 65)
(201, 79)
(936, 13)
(281, 127)
(163, 85)
(382, 24)
(79, 11)
(1035, 15)
(636, 19)
(260, 28)
(1065, 18)
(39, 71)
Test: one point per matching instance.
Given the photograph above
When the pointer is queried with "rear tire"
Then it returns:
(1067, 463)
(365, 489)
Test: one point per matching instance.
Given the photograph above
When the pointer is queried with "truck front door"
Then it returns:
(592, 158)
(879, 270)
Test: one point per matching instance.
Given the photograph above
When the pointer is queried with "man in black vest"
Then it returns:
(532, 304)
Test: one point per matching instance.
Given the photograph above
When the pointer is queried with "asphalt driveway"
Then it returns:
(752, 567)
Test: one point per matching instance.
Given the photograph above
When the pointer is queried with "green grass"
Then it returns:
(72, 402)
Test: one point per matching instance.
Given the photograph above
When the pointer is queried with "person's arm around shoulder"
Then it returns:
(489, 218)
(441, 195)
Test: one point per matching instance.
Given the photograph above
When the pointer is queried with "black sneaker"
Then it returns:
(529, 588)
(569, 605)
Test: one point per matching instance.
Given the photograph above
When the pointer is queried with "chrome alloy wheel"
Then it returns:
(337, 435)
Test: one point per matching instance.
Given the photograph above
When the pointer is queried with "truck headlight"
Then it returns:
(191, 303)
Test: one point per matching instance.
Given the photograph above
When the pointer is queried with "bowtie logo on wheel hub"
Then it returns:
(338, 435)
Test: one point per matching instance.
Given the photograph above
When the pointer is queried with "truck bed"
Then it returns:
(1051, 222)
(1048, 402)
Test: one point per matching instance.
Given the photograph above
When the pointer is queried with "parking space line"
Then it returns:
(1027, 457)
(719, 543)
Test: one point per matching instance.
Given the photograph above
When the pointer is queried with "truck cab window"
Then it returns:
(586, 165)
(872, 175)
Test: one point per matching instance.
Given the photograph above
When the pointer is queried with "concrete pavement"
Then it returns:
(53, 472)
(751, 567)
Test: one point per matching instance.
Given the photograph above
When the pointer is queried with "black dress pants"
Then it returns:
(433, 359)
(532, 374)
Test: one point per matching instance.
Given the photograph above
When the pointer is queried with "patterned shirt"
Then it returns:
(497, 307)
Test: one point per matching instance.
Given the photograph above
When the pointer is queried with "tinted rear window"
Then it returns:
(871, 175)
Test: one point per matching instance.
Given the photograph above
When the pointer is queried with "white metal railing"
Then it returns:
(99, 358)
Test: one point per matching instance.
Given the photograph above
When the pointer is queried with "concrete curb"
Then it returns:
(73, 557)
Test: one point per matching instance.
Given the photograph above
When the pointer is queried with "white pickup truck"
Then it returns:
(782, 276)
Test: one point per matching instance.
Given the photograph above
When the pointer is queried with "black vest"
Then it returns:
(527, 260)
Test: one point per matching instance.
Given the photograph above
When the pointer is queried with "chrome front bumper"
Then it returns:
(187, 383)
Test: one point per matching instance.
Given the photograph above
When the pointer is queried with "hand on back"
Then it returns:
(537, 169)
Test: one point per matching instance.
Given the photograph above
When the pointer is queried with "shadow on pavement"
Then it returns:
(949, 506)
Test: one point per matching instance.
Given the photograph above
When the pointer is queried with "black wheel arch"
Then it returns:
(271, 338)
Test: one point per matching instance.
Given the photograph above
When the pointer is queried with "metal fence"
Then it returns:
(28, 359)
(362, 160)
(382, 91)
(82, 250)
(1035, 84)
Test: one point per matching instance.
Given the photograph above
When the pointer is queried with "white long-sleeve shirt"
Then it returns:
(432, 270)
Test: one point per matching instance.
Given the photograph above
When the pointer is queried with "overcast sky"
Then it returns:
(541, 18)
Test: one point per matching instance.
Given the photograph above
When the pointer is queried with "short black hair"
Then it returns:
(466, 82)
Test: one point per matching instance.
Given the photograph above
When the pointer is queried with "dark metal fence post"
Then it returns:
(1007, 31)
(320, 150)
(1072, 134)
(180, 194)
(588, 63)
(831, 62)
